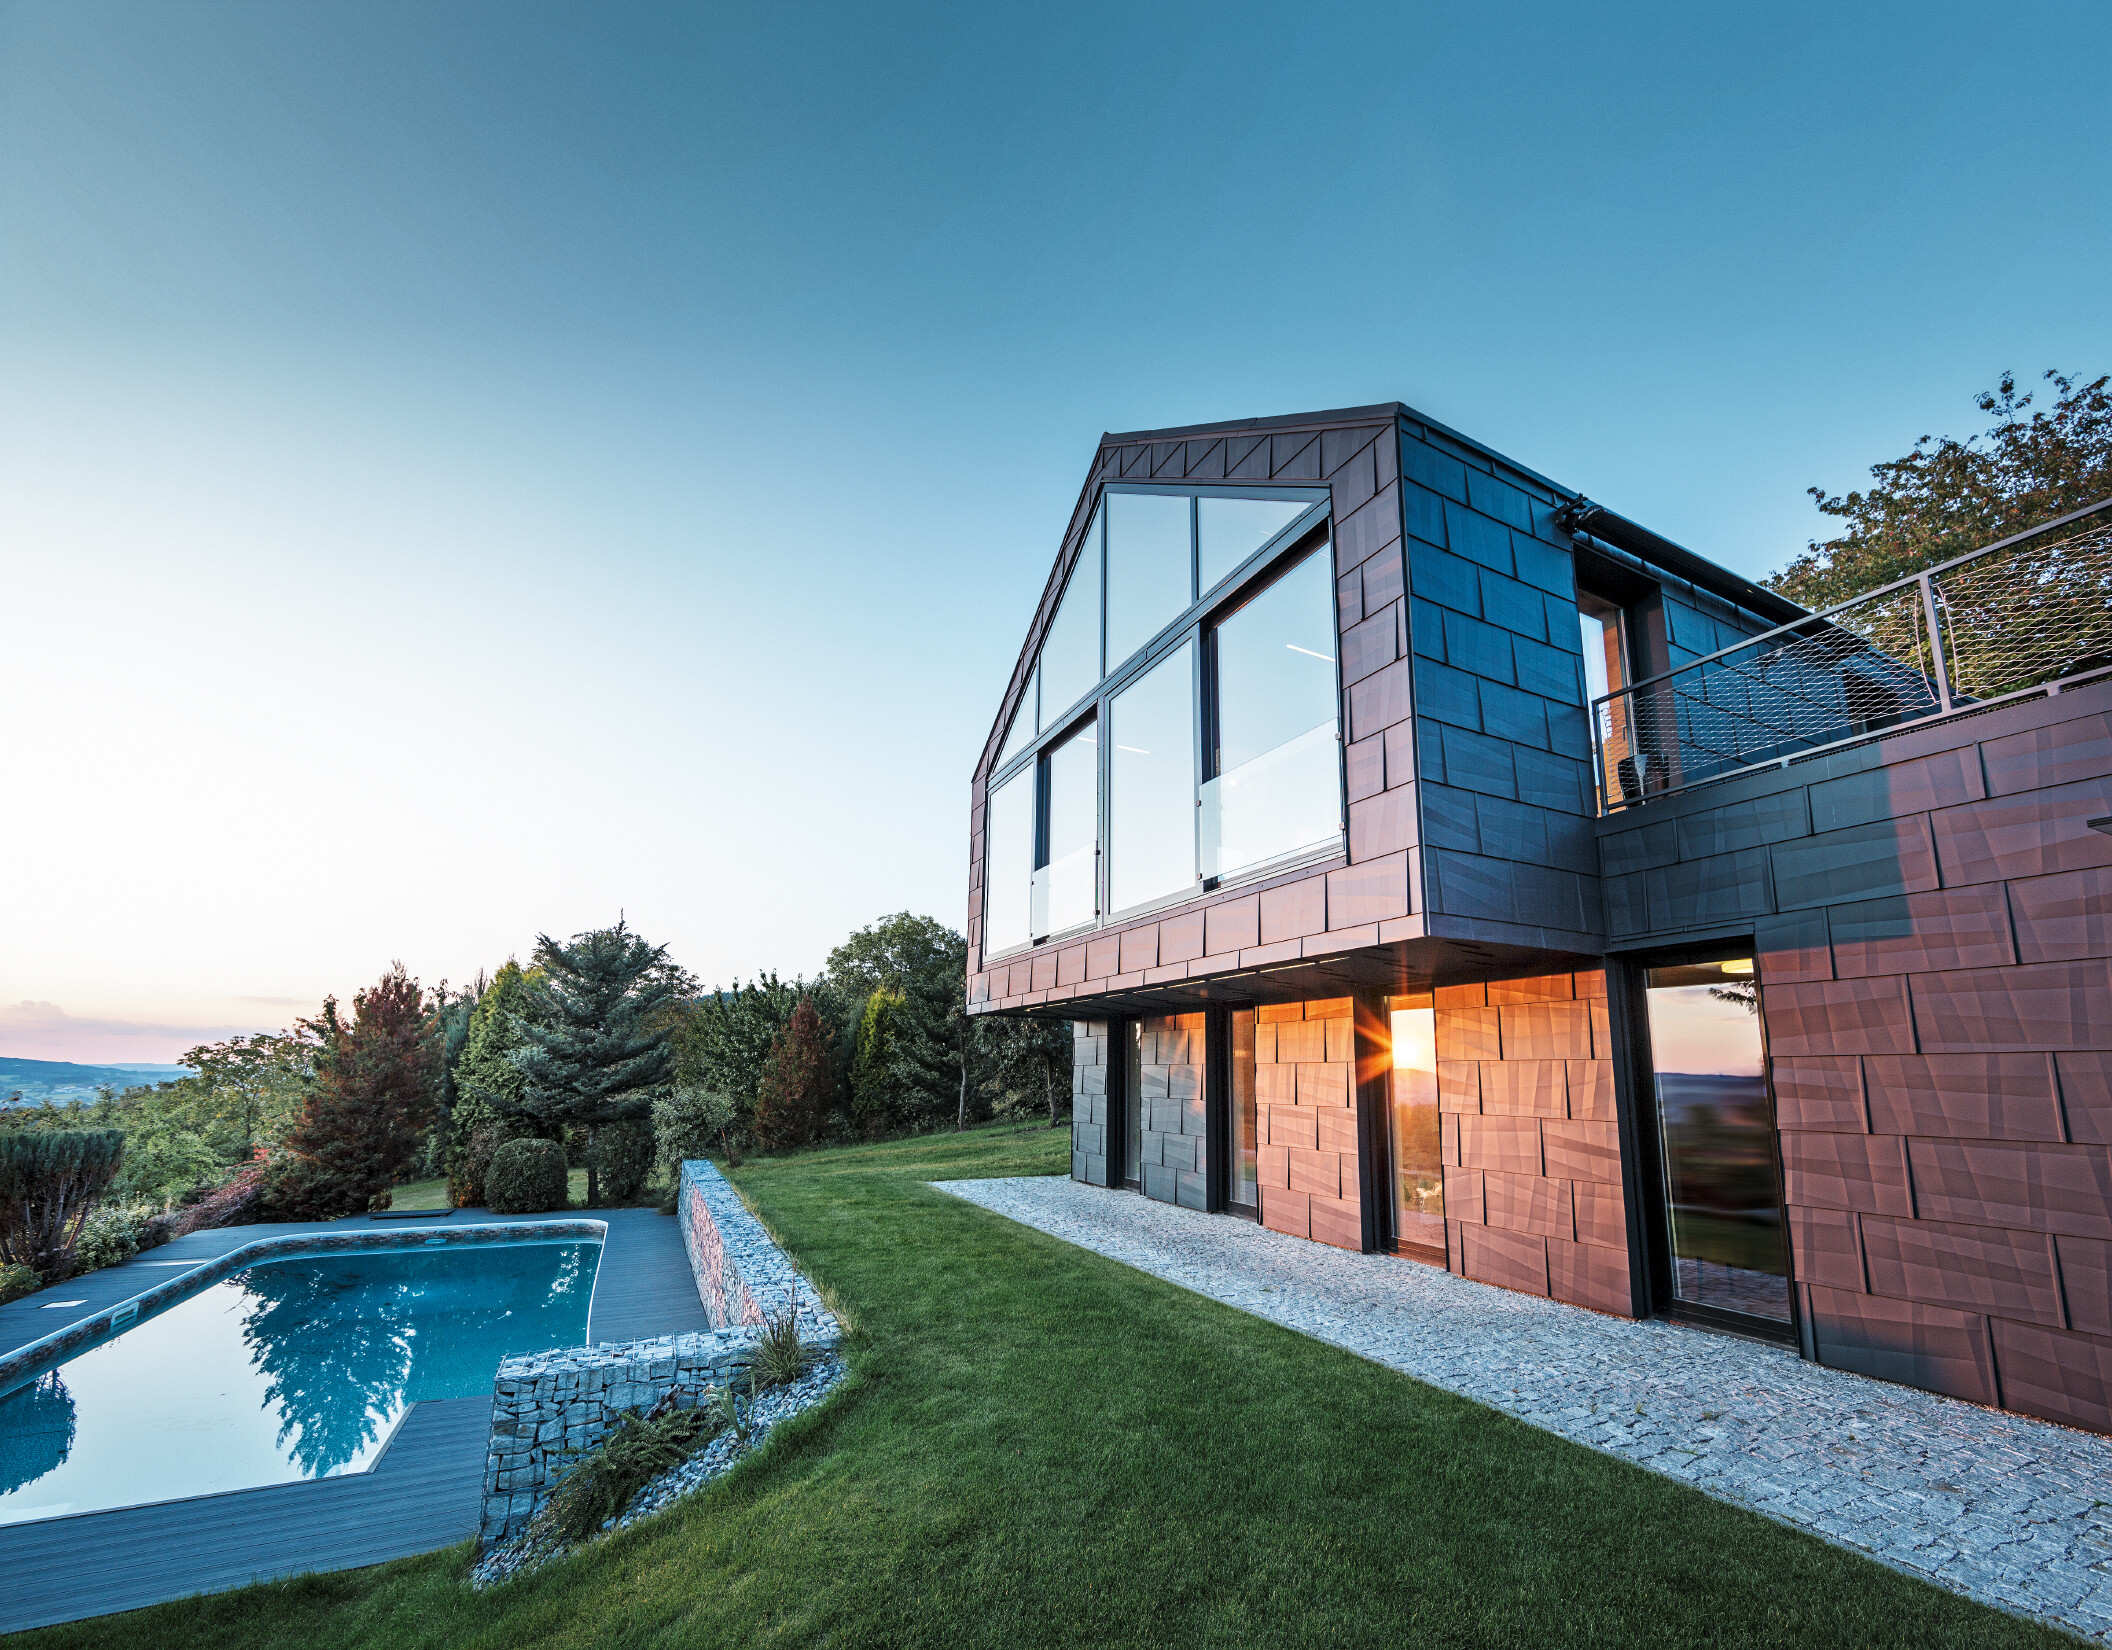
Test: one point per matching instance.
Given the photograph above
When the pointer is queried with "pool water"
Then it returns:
(290, 1369)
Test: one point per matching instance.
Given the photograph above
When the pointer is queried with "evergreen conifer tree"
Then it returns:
(875, 1097)
(596, 1045)
(487, 1085)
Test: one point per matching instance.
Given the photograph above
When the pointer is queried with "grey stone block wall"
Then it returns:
(549, 1407)
(1089, 1101)
(742, 1277)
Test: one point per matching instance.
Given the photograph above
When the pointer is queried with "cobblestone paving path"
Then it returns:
(2013, 1512)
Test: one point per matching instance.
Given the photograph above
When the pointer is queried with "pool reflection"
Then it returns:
(294, 1369)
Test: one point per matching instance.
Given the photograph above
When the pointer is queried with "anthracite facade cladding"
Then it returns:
(1927, 912)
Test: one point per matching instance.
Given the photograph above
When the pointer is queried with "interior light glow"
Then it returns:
(1738, 965)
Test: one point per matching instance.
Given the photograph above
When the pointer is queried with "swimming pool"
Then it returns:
(290, 1368)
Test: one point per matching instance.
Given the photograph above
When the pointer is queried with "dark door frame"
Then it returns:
(1649, 1225)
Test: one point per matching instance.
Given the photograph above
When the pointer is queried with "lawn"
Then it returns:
(1040, 1447)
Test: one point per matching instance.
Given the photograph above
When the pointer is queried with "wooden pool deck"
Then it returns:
(422, 1493)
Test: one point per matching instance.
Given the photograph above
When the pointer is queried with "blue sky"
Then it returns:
(466, 470)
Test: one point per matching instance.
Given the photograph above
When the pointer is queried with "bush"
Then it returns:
(691, 1123)
(49, 1180)
(109, 1237)
(206, 1208)
(632, 1453)
(621, 1158)
(527, 1177)
(16, 1281)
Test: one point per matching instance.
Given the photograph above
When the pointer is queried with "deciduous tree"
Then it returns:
(1946, 497)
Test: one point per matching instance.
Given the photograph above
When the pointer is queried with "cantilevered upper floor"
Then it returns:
(1303, 708)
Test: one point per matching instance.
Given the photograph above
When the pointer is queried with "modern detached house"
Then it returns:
(1434, 862)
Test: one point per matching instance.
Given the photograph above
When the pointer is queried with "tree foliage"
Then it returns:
(597, 1043)
(921, 964)
(487, 1085)
(799, 1084)
(49, 1180)
(1946, 497)
(376, 1081)
(255, 1086)
(1023, 1066)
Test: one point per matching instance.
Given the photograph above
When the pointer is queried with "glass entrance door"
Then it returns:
(1418, 1159)
(1242, 1188)
(1716, 1140)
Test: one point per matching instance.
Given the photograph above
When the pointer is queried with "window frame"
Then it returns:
(1269, 560)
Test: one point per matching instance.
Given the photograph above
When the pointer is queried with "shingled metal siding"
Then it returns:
(1933, 922)
(1533, 1186)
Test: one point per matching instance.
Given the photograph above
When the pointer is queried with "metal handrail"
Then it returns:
(1798, 691)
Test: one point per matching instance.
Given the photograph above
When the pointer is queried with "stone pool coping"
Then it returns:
(41, 1354)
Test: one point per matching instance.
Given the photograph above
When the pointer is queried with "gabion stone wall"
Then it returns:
(742, 1277)
(550, 1406)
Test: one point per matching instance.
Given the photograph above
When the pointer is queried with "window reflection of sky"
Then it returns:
(1693, 1030)
(296, 1369)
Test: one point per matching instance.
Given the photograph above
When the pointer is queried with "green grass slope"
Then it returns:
(1040, 1447)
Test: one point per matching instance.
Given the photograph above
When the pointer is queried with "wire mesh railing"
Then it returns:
(2024, 615)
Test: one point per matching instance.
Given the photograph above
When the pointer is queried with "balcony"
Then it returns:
(2031, 614)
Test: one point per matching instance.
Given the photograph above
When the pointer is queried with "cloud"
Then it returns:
(277, 1002)
(32, 1030)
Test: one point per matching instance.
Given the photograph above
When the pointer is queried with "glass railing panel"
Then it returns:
(1282, 802)
(1064, 890)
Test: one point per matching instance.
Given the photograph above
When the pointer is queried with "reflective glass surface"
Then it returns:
(1151, 786)
(1279, 777)
(1008, 863)
(1229, 530)
(1604, 667)
(297, 1368)
(1150, 572)
(1418, 1163)
(1244, 1188)
(1723, 1196)
(1066, 885)
(1070, 656)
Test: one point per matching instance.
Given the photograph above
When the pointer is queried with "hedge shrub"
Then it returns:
(49, 1180)
(527, 1177)
(622, 1159)
(16, 1281)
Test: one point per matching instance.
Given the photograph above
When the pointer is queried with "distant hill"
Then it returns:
(62, 1080)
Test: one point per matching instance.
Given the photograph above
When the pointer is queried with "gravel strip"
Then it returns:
(2010, 1511)
(535, 1548)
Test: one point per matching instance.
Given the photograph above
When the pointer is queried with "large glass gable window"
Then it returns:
(1066, 887)
(1008, 863)
(1151, 784)
(1275, 772)
(1229, 530)
(1125, 653)
(1150, 567)
(1070, 656)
